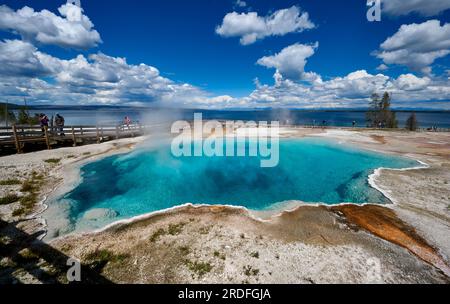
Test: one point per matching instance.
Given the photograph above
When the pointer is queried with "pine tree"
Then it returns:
(23, 117)
(380, 112)
(10, 116)
(372, 116)
(412, 123)
(386, 101)
(391, 120)
(388, 117)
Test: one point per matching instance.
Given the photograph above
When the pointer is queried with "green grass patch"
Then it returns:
(28, 186)
(29, 201)
(218, 255)
(157, 235)
(255, 255)
(10, 182)
(37, 177)
(86, 153)
(200, 268)
(53, 161)
(19, 212)
(250, 271)
(66, 247)
(205, 230)
(185, 250)
(9, 199)
(175, 229)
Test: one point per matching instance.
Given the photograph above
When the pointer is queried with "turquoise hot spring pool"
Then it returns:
(310, 170)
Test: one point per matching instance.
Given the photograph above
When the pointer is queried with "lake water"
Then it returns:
(296, 117)
(151, 179)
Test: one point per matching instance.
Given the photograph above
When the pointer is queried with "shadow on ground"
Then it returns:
(24, 258)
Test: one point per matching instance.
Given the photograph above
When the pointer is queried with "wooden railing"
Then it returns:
(18, 136)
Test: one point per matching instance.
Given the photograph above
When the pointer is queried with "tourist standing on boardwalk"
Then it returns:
(127, 121)
(59, 122)
(43, 121)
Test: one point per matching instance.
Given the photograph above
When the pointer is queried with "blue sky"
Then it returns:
(179, 39)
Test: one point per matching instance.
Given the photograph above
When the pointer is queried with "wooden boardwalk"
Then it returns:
(17, 137)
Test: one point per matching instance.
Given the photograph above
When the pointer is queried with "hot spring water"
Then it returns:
(146, 180)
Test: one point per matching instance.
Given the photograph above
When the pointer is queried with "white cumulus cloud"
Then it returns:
(417, 46)
(72, 29)
(18, 58)
(352, 91)
(410, 82)
(98, 79)
(250, 27)
(290, 62)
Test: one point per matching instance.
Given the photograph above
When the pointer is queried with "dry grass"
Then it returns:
(10, 182)
(9, 199)
(53, 161)
(200, 268)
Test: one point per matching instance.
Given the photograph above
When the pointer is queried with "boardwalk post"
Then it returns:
(47, 140)
(101, 133)
(117, 132)
(73, 137)
(98, 135)
(16, 140)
